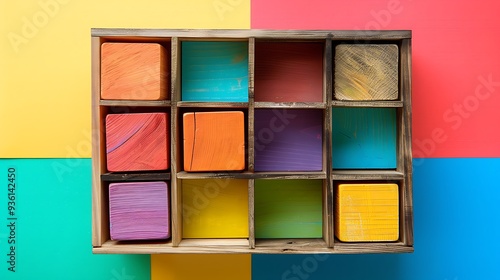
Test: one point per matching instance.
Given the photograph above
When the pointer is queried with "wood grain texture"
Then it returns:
(406, 88)
(364, 138)
(214, 141)
(134, 177)
(359, 35)
(366, 72)
(215, 209)
(263, 246)
(134, 71)
(215, 71)
(139, 211)
(288, 209)
(100, 219)
(288, 140)
(367, 212)
(175, 145)
(288, 72)
(137, 142)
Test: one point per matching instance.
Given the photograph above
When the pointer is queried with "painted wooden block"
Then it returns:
(366, 72)
(137, 142)
(214, 141)
(288, 140)
(364, 138)
(288, 72)
(288, 209)
(214, 71)
(367, 212)
(134, 71)
(215, 208)
(139, 211)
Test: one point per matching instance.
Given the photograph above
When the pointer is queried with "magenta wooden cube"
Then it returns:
(139, 211)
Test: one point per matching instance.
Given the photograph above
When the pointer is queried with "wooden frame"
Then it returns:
(175, 175)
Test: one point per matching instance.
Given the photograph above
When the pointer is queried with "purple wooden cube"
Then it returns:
(288, 140)
(139, 211)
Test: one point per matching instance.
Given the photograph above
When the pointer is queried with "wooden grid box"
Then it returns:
(261, 173)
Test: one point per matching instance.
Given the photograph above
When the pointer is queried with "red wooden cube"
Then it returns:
(137, 142)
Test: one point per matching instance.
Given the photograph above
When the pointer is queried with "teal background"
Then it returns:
(456, 210)
(54, 230)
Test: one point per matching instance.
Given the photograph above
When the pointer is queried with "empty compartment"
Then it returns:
(135, 71)
(215, 208)
(214, 141)
(288, 140)
(366, 72)
(214, 71)
(137, 142)
(139, 211)
(364, 138)
(288, 209)
(289, 71)
(367, 212)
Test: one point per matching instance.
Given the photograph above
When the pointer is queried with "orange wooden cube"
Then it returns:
(367, 212)
(214, 141)
(134, 71)
(137, 142)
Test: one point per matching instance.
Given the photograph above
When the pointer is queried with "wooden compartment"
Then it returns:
(215, 208)
(299, 138)
(364, 138)
(289, 71)
(288, 209)
(214, 71)
(288, 140)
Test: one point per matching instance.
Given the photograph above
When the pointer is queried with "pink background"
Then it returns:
(455, 51)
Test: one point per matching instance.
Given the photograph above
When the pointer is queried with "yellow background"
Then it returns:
(45, 63)
(196, 266)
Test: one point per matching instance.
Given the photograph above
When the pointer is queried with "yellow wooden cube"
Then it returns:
(367, 212)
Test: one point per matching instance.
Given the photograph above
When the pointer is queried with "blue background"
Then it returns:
(456, 228)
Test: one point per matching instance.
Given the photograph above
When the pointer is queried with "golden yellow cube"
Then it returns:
(367, 212)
